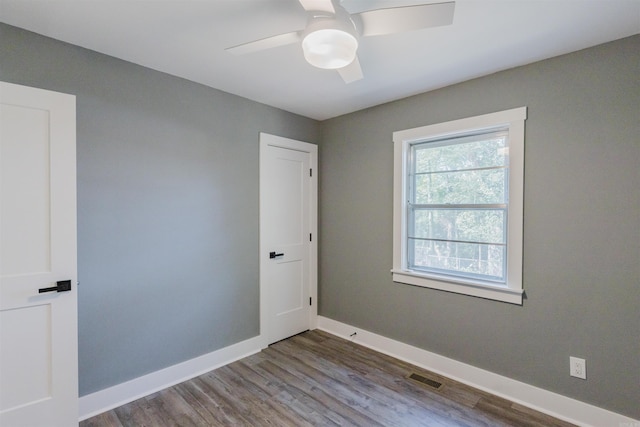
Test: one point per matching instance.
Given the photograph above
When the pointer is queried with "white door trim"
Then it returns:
(267, 140)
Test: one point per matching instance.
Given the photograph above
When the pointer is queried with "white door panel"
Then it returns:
(25, 361)
(288, 174)
(287, 223)
(25, 227)
(38, 331)
(288, 280)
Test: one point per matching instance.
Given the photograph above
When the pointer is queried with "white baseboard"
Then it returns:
(112, 397)
(556, 405)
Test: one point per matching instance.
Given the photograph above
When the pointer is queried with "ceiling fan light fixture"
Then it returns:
(329, 48)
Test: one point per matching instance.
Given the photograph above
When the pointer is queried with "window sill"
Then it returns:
(497, 293)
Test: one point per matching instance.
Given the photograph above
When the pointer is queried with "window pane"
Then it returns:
(481, 151)
(461, 187)
(450, 232)
(462, 259)
(477, 225)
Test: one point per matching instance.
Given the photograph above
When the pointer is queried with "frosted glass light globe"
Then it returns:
(329, 48)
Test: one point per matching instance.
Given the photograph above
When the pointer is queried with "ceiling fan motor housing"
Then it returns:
(330, 41)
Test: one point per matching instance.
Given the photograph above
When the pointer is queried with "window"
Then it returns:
(458, 190)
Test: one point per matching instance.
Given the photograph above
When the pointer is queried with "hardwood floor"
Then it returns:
(317, 379)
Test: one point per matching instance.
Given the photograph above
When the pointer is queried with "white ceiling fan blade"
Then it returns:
(400, 19)
(351, 72)
(318, 5)
(266, 43)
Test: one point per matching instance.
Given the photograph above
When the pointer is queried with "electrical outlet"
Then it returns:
(577, 367)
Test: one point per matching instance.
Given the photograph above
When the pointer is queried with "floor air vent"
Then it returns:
(426, 381)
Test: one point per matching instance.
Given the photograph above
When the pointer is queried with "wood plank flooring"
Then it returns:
(317, 379)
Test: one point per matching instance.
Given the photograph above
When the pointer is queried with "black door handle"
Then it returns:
(273, 255)
(62, 286)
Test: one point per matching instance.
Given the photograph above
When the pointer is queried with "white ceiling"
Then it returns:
(187, 38)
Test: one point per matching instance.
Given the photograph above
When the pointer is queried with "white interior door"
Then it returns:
(288, 211)
(38, 325)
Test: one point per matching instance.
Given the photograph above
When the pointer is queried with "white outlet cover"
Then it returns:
(578, 367)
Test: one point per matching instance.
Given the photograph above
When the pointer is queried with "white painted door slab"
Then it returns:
(38, 330)
(288, 266)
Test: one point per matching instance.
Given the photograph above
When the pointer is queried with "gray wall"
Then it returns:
(581, 228)
(167, 206)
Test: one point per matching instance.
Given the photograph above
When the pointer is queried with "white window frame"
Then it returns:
(513, 120)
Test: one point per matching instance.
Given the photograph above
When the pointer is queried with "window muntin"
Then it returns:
(457, 207)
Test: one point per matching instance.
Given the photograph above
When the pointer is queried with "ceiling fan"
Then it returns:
(330, 39)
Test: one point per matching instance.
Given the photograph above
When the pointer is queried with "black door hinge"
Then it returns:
(310, 300)
(310, 172)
